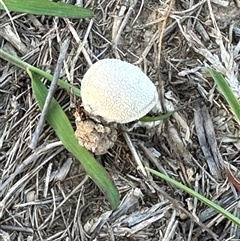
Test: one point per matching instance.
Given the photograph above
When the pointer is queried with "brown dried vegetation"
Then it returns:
(45, 194)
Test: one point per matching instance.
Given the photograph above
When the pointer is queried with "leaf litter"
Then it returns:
(173, 42)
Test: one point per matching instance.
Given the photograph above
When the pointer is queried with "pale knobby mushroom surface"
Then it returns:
(117, 91)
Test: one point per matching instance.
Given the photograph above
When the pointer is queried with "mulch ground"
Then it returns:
(46, 195)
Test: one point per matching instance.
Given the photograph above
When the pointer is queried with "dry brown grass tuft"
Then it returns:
(45, 194)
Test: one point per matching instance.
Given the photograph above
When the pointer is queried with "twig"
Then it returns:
(122, 26)
(18, 229)
(134, 153)
(52, 88)
(172, 225)
(81, 48)
(154, 160)
(161, 36)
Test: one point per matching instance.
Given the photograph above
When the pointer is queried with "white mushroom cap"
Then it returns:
(117, 91)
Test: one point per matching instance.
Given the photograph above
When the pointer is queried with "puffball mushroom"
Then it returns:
(117, 91)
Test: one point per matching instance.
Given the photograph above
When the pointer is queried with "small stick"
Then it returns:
(134, 153)
(121, 28)
(52, 88)
(163, 27)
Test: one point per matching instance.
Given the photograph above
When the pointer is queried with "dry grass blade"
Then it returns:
(207, 140)
(6, 201)
(49, 196)
(40, 151)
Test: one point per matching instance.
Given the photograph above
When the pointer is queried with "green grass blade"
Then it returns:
(46, 7)
(63, 129)
(227, 92)
(18, 62)
(164, 116)
(157, 118)
(198, 196)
